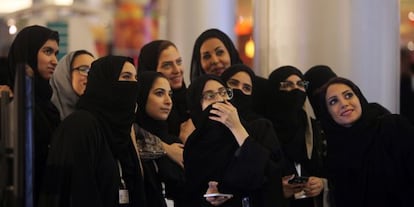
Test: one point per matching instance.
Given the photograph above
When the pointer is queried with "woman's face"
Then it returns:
(241, 81)
(170, 64)
(159, 101)
(128, 72)
(80, 68)
(213, 92)
(343, 105)
(293, 82)
(214, 56)
(46, 59)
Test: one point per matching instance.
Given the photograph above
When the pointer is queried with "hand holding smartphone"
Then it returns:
(218, 195)
(298, 180)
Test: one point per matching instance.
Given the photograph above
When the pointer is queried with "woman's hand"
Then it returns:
(313, 187)
(227, 115)
(216, 200)
(290, 189)
(174, 152)
(6, 88)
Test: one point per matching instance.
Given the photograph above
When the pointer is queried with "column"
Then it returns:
(358, 39)
(186, 20)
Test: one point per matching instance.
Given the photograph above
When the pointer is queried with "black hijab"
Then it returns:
(285, 110)
(359, 155)
(148, 61)
(110, 100)
(317, 76)
(243, 102)
(24, 49)
(145, 82)
(209, 148)
(196, 69)
(150, 54)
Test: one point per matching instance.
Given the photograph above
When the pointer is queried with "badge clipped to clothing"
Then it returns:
(123, 196)
(123, 191)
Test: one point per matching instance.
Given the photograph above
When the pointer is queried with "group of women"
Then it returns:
(230, 139)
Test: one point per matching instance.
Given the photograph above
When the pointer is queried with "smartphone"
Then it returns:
(298, 180)
(218, 195)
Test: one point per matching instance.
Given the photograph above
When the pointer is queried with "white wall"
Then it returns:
(358, 39)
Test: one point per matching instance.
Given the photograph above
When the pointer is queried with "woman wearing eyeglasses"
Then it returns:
(69, 80)
(241, 79)
(221, 156)
(299, 136)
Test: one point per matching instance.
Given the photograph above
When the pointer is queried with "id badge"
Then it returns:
(123, 196)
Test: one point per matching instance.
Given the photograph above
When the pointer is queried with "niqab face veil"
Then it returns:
(285, 110)
(111, 101)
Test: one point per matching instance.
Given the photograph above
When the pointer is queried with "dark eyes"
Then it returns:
(219, 52)
(333, 101)
(167, 65)
(50, 51)
(347, 96)
(161, 93)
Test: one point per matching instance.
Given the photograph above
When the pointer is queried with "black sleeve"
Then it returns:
(80, 169)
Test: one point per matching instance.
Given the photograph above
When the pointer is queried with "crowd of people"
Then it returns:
(111, 133)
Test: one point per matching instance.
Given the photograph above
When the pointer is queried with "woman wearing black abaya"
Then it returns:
(241, 79)
(221, 156)
(37, 46)
(213, 53)
(370, 155)
(92, 158)
(154, 104)
(163, 56)
(299, 136)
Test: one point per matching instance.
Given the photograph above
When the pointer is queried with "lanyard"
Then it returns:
(298, 168)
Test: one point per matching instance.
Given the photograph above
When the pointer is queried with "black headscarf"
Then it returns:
(150, 54)
(317, 76)
(148, 61)
(362, 154)
(145, 82)
(196, 69)
(24, 49)
(285, 110)
(110, 100)
(243, 102)
(210, 147)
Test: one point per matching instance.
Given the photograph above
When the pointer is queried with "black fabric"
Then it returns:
(243, 102)
(24, 49)
(260, 94)
(285, 110)
(372, 158)
(407, 97)
(196, 69)
(149, 55)
(212, 153)
(4, 76)
(168, 171)
(317, 76)
(82, 166)
(148, 61)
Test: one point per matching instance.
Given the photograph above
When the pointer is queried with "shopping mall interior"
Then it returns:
(268, 34)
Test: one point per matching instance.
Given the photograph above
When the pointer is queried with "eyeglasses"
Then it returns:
(83, 69)
(290, 84)
(226, 93)
(246, 88)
